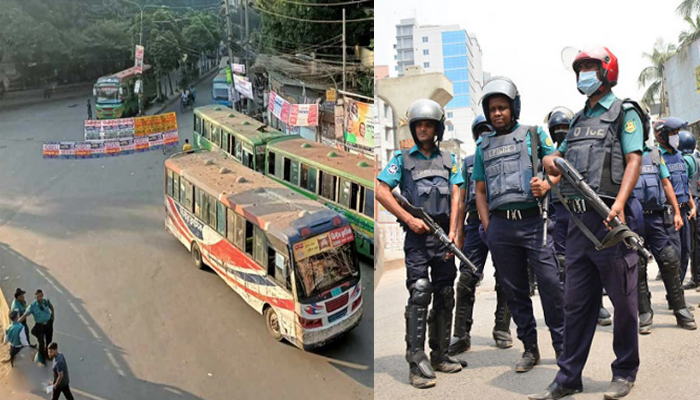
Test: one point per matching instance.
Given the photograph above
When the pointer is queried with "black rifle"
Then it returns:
(694, 248)
(435, 230)
(544, 201)
(619, 232)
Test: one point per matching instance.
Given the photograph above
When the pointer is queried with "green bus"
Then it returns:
(116, 94)
(340, 180)
(219, 128)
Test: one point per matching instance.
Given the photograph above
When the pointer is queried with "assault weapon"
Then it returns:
(435, 230)
(619, 232)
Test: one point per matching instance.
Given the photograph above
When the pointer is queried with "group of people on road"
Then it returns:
(17, 335)
(500, 203)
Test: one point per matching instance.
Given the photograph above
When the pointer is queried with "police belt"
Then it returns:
(579, 206)
(651, 212)
(517, 215)
(473, 216)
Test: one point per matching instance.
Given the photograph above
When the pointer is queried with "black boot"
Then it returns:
(530, 358)
(461, 341)
(669, 264)
(421, 374)
(501, 326)
(439, 327)
(646, 314)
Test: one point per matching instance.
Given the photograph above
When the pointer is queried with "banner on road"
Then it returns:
(303, 115)
(239, 69)
(243, 87)
(129, 127)
(279, 107)
(139, 59)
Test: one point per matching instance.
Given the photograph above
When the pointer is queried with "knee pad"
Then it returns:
(668, 255)
(448, 297)
(421, 292)
(466, 281)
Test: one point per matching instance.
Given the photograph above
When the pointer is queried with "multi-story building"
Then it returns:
(451, 50)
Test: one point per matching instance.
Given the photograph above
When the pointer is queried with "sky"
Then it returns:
(523, 40)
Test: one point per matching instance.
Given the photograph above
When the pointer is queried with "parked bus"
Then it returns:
(218, 128)
(116, 95)
(219, 90)
(288, 257)
(342, 181)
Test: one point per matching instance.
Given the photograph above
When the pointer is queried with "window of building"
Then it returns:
(455, 62)
(457, 49)
(460, 88)
(426, 65)
(426, 52)
(449, 114)
(457, 75)
(454, 36)
(425, 39)
(451, 128)
(459, 101)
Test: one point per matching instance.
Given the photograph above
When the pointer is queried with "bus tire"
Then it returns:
(197, 256)
(272, 323)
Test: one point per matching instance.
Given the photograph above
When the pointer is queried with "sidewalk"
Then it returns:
(158, 108)
(14, 100)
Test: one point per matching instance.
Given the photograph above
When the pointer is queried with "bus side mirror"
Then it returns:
(94, 92)
(121, 91)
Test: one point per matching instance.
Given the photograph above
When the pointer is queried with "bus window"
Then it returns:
(260, 242)
(176, 187)
(232, 146)
(271, 163)
(312, 179)
(369, 203)
(345, 194)
(221, 218)
(169, 183)
(224, 140)
(231, 217)
(304, 176)
(248, 160)
(240, 232)
(329, 186)
(278, 268)
(295, 173)
(207, 130)
(279, 163)
(287, 169)
(199, 200)
(249, 237)
(197, 124)
(356, 193)
(188, 195)
(238, 150)
(215, 136)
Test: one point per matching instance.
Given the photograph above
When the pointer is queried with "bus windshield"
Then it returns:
(221, 93)
(107, 94)
(325, 260)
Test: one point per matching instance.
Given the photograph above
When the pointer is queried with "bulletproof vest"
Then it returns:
(426, 184)
(508, 168)
(679, 176)
(595, 150)
(693, 182)
(470, 198)
(648, 189)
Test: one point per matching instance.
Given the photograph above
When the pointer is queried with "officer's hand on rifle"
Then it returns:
(677, 221)
(417, 225)
(539, 187)
(692, 213)
(549, 166)
(616, 210)
(453, 238)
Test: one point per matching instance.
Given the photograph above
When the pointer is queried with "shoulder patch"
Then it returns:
(393, 169)
(548, 142)
(630, 126)
(454, 168)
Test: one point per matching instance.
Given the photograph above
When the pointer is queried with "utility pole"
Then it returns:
(249, 102)
(343, 49)
(228, 34)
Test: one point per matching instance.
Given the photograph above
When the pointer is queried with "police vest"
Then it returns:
(649, 190)
(595, 150)
(426, 184)
(679, 176)
(508, 168)
(13, 331)
(693, 183)
(470, 198)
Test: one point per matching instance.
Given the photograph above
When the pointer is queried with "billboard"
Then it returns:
(359, 123)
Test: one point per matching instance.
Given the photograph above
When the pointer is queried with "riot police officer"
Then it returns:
(604, 143)
(687, 147)
(476, 250)
(558, 121)
(666, 132)
(507, 190)
(428, 177)
(662, 221)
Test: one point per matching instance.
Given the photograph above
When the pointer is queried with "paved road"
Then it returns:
(134, 318)
(669, 355)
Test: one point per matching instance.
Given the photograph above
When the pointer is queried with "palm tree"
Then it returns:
(654, 74)
(687, 7)
(686, 38)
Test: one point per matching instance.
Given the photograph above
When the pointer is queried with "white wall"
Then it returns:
(680, 75)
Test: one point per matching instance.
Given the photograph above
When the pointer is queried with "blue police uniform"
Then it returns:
(596, 145)
(514, 234)
(694, 179)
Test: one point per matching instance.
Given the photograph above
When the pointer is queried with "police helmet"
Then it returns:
(662, 128)
(607, 63)
(686, 142)
(501, 85)
(426, 109)
(479, 126)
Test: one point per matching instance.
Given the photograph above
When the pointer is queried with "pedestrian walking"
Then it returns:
(16, 336)
(428, 177)
(61, 377)
(89, 109)
(43, 312)
(19, 304)
(604, 143)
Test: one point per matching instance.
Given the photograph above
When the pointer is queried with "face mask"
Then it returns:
(588, 82)
(559, 136)
(674, 141)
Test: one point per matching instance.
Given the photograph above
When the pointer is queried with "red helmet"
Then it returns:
(608, 63)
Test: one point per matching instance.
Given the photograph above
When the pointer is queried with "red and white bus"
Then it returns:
(290, 258)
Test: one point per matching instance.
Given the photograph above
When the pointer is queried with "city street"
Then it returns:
(668, 354)
(134, 318)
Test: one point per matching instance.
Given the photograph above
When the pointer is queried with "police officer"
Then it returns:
(666, 133)
(476, 250)
(43, 313)
(19, 304)
(558, 121)
(655, 193)
(16, 336)
(506, 197)
(687, 147)
(428, 177)
(604, 144)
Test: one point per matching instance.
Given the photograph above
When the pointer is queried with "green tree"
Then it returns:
(688, 37)
(688, 7)
(163, 53)
(654, 74)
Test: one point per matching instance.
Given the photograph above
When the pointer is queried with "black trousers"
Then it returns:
(44, 335)
(66, 392)
(13, 353)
